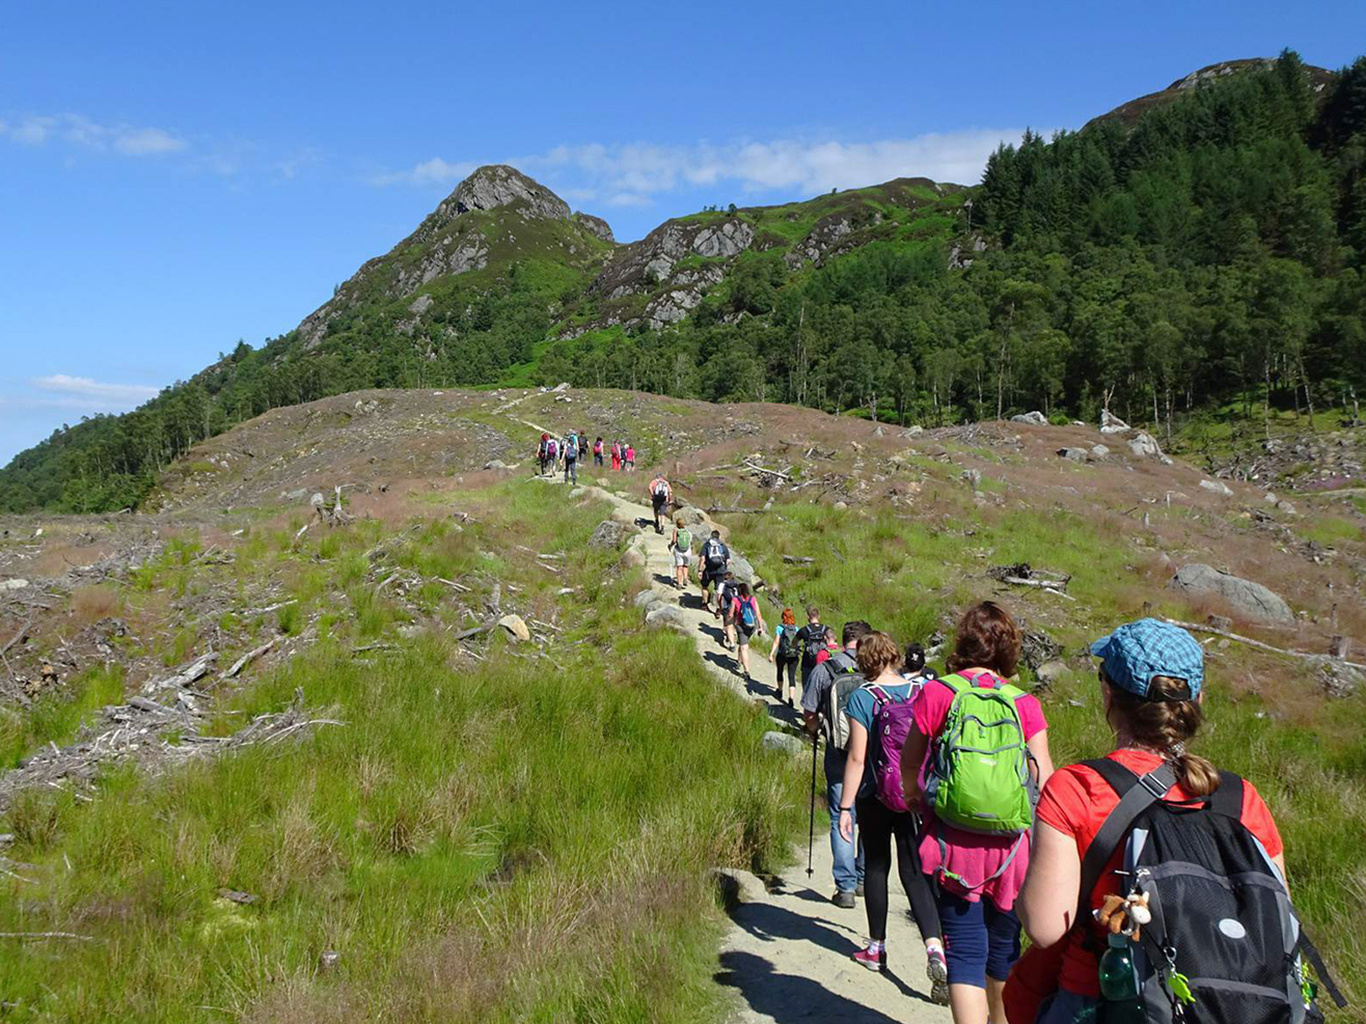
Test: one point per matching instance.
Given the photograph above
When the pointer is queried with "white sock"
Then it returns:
(876, 947)
(932, 944)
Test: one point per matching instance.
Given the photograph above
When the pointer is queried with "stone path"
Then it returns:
(787, 955)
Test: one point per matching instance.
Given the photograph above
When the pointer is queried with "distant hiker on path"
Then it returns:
(812, 637)
(631, 457)
(681, 545)
(583, 446)
(597, 452)
(879, 662)
(824, 697)
(660, 496)
(543, 453)
(616, 455)
(571, 458)
(977, 811)
(715, 561)
(725, 607)
(552, 454)
(748, 620)
(788, 649)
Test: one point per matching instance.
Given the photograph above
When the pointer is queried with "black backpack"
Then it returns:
(787, 643)
(1221, 916)
(813, 642)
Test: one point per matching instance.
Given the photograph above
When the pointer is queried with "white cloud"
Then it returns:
(147, 141)
(85, 392)
(78, 130)
(632, 174)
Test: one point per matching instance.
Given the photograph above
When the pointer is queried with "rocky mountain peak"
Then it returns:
(498, 185)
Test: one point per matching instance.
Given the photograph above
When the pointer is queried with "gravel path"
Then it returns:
(787, 955)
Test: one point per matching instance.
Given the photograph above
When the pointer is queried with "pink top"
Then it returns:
(968, 857)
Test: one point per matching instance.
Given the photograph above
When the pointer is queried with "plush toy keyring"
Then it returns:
(1124, 915)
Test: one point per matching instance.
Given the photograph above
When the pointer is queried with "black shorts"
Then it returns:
(659, 501)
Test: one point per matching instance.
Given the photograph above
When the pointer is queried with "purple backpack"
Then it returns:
(892, 722)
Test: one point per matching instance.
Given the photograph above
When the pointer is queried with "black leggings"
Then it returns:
(876, 826)
(791, 665)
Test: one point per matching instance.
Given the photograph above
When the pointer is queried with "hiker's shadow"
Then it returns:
(691, 600)
(663, 578)
(644, 524)
(721, 660)
(773, 994)
(712, 631)
(768, 922)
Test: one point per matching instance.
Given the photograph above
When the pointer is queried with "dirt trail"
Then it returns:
(788, 951)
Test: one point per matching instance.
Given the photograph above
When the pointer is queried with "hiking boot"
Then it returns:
(843, 898)
(937, 970)
(873, 961)
(858, 890)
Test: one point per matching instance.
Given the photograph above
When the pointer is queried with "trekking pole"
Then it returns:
(811, 832)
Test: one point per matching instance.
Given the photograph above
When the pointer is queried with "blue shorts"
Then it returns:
(980, 941)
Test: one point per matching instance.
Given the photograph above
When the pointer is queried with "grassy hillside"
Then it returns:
(498, 832)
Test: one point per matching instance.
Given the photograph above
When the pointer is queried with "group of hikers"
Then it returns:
(1151, 886)
(556, 454)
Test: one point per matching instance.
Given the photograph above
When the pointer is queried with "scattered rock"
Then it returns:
(1286, 507)
(670, 615)
(1112, 424)
(914, 431)
(974, 478)
(1337, 678)
(1074, 454)
(649, 597)
(1247, 599)
(577, 492)
(841, 505)
(784, 742)
(317, 501)
(1050, 671)
(13, 584)
(1270, 498)
(738, 886)
(1217, 486)
(610, 534)
(1220, 622)
(328, 960)
(515, 627)
(246, 899)
(1145, 446)
(1099, 451)
(1037, 418)
(495, 464)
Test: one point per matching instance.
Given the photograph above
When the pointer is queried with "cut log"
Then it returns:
(246, 660)
(798, 560)
(1197, 628)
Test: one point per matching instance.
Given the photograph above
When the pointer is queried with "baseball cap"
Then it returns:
(1137, 651)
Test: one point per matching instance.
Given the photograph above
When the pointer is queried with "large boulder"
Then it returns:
(611, 534)
(1074, 454)
(1245, 598)
(739, 564)
(1145, 446)
(1037, 418)
(1112, 424)
(785, 743)
(661, 614)
(1218, 487)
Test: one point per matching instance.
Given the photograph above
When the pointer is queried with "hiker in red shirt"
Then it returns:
(1151, 681)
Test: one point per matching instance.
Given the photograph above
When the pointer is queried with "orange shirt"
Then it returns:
(1076, 801)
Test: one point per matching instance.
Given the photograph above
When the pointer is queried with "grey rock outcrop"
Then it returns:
(1245, 598)
(1218, 487)
(667, 615)
(1338, 678)
(1099, 451)
(610, 534)
(596, 225)
(728, 239)
(739, 564)
(499, 185)
(784, 742)
(1074, 454)
(1144, 446)
(1037, 418)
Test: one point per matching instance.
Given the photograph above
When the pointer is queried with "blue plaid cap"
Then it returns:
(1137, 651)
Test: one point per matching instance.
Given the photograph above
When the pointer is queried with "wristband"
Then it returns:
(846, 810)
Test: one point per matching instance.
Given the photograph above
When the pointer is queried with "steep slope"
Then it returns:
(1127, 114)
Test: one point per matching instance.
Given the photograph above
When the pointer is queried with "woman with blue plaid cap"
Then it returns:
(1152, 679)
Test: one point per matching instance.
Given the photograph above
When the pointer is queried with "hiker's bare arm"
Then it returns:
(912, 757)
(1279, 861)
(853, 774)
(1038, 746)
(1048, 901)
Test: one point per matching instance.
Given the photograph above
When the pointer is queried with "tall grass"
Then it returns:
(522, 838)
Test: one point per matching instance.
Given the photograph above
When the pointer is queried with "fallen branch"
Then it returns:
(483, 627)
(453, 585)
(771, 472)
(372, 647)
(48, 935)
(798, 560)
(1049, 586)
(1196, 628)
(270, 608)
(733, 510)
(246, 660)
(19, 636)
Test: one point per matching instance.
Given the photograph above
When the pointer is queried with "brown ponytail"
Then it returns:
(1164, 721)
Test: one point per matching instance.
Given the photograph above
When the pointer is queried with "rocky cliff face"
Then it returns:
(497, 185)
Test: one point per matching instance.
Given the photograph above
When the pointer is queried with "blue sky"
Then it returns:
(176, 176)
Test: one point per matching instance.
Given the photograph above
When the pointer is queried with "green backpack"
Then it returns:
(979, 778)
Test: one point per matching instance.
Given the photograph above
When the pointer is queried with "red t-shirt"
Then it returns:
(1076, 802)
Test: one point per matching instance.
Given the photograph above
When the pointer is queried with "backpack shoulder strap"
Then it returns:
(956, 683)
(1136, 795)
(1228, 798)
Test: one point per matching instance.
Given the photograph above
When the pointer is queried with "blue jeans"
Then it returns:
(848, 859)
(571, 469)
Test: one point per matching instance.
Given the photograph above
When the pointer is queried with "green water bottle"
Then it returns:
(1121, 993)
